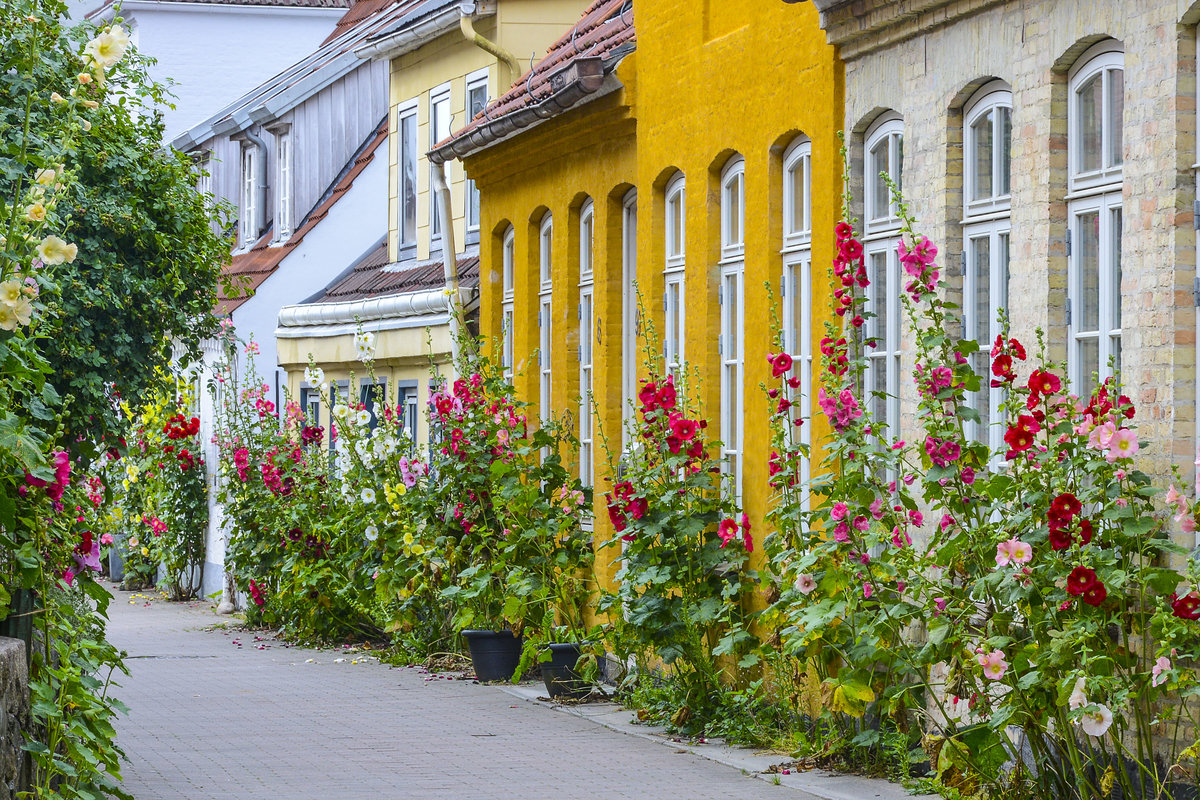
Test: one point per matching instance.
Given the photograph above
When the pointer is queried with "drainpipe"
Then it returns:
(260, 179)
(449, 259)
(466, 22)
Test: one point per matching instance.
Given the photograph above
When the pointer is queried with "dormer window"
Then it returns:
(283, 186)
(248, 215)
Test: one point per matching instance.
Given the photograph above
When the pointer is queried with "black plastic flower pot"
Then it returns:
(559, 673)
(494, 654)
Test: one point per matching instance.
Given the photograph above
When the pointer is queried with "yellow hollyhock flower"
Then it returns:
(35, 212)
(46, 177)
(107, 48)
(10, 292)
(23, 311)
(408, 538)
(54, 250)
(8, 318)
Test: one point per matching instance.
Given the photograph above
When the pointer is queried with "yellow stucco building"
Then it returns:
(446, 60)
(687, 160)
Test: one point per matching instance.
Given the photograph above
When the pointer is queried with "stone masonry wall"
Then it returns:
(926, 66)
(14, 717)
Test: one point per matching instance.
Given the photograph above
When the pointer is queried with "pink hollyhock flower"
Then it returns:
(842, 532)
(877, 508)
(1124, 444)
(861, 523)
(1004, 553)
(1101, 436)
(1161, 666)
(1096, 723)
(1020, 552)
(838, 511)
(968, 475)
(916, 518)
(994, 665)
(1188, 524)
(805, 584)
(106, 538)
(867, 591)
(68, 577)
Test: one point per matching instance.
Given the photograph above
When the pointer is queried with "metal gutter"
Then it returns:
(413, 35)
(396, 306)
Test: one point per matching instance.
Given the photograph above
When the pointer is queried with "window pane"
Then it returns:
(1001, 299)
(1089, 362)
(477, 99)
(509, 243)
(585, 330)
(1116, 115)
(1116, 267)
(981, 260)
(733, 205)
(545, 254)
(897, 171)
(877, 164)
(798, 310)
(1087, 227)
(1003, 150)
(1114, 345)
(981, 399)
(879, 293)
(981, 133)
(408, 190)
(799, 174)
(1089, 108)
(879, 384)
(730, 301)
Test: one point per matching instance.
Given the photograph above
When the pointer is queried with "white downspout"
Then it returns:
(449, 258)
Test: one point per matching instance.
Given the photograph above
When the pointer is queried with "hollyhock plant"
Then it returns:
(1032, 573)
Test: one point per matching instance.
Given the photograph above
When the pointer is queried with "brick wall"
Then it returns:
(14, 717)
(925, 62)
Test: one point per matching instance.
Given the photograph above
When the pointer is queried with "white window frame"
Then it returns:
(732, 346)
(796, 292)
(889, 127)
(882, 236)
(507, 298)
(629, 311)
(283, 183)
(587, 238)
(248, 212)
(674, 275)
(986, 218)
(204, 179)
(406, 154)
(545, 316)
(439, 128)
(1096, 191)
(475, 81)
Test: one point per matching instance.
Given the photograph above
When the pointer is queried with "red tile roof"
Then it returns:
(374, 277)
(605, 33)
(359, 11)
(108, 4)
(251, 269)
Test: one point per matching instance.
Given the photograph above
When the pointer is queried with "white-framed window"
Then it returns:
(477, 97)
(629, 310)
(204, 182)
(439, 128)
(545, 315)
(507, 266)
(731, 346)
(675, 261)
(283, 185)
(587, 220)
(406, 174)
(248, 213)
(987, 206)
(883, 153)
(796, 286)
(1095, 153)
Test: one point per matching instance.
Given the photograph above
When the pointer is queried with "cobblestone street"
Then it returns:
(214, 716)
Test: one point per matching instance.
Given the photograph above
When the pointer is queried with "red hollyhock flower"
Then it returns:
(780, 364)
(683, 428)
(1095, 594)
(666, 396)
(674, 444)
(1044, 382)
(616, 516)
(648, 396)
(747, 541)
(843, 229)
(1020, 436)
(727, 530)
(1080, 580)
(1186, 607)
(1085, 530)
(637, 508)
(623, 491)
(1066, 505)
(696, 449)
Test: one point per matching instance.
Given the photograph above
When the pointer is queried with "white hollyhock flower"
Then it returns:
(107, 48)
(1097, 723)
(340, 412)
(372, 533)
(805, 584)
(1078, 699)
(315, 376)
(368, 495)
(363, 418)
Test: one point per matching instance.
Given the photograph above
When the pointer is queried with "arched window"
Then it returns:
(796, 282)
(673, 275)
(730, 298)
(883, 155)
(987, 203)
(507, 262)
(1095, 118)
(545, 314)
(586, 337)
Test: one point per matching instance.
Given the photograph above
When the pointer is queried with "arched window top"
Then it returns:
(676, 219)
(508, 250)
(587, 219)
(733, 207)
(545, 240)
(987, 150)
(1095, 117)
(883, 153)
(797, 186)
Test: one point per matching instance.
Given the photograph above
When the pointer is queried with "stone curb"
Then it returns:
(811, 785)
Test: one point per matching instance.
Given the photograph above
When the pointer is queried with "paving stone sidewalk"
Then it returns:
(219, 714)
